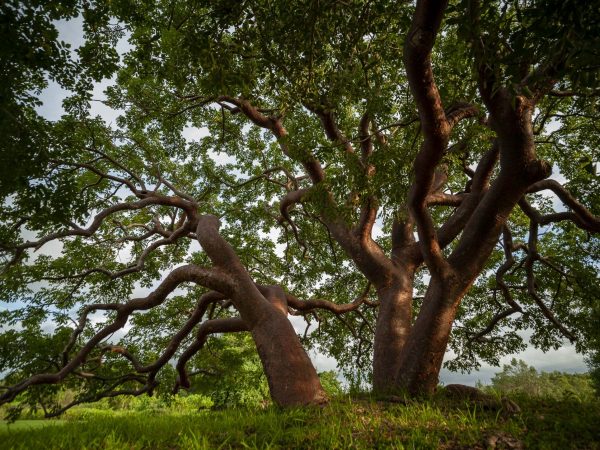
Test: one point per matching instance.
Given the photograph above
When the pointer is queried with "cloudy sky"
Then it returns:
(564, 359)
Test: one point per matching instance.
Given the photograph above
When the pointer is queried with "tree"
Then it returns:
(341, 146)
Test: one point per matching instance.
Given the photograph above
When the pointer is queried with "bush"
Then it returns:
(331, 384)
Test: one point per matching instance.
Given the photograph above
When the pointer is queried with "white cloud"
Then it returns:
(191, 133)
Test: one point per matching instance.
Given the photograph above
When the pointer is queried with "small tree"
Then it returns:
(518, 377)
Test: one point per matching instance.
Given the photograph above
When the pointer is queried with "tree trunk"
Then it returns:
(392, 329)
(422, 356)
(293, 380)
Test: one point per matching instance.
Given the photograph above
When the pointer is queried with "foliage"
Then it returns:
(594, 363)
(32, 56)
(593, 359)
(232, 374)
(331, 383)
(519, 378)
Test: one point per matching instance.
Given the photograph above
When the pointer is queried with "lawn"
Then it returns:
(346, 423)
(28, 424)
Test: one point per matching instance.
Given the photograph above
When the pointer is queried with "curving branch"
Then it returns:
(228, 325)
(579, 214)
(81, 325)
(434, 124)
(480, 184)
(532, 256)
(514, 307)
(99, 218)
(460, 111)
(368, 216)
(118, 165)
(369, 205)
(442, 199)
(242, 292)
(109, 392)
(176, 191)
(139, 264)
(101, 174)
(366, 143)
(85, 232)
(311, 164)
(332, 131)
(203, 303)
(291, 179)
(290, 199)
(310, 305)
(188, 273)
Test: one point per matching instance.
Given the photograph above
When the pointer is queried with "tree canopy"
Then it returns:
(407, 178)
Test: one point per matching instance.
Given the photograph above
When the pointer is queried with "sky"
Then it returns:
(565, 359)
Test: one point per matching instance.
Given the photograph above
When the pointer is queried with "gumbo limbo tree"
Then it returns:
(407, 177)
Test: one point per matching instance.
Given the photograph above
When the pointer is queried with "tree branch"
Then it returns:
(179, 275)
(290, 199)
(228, 325)
(580, 215)
(532, 255)
(434, 124)
(514, 307)
(312, 304)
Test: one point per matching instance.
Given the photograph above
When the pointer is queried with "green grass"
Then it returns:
(345, 423)
(28, 424)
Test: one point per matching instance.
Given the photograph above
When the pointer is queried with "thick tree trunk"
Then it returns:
(293, 380)
(424, 351)
(422, 356)
(392, 329)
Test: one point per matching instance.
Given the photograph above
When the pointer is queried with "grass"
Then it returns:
(28, 424)
(345, 423)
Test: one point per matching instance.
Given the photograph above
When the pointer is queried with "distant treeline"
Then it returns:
(519, 378)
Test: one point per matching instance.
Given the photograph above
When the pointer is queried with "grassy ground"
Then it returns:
(28, 424)
(346, 423)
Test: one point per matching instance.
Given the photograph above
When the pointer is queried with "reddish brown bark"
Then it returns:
(292, 378)
(422, 356)
(392, 328)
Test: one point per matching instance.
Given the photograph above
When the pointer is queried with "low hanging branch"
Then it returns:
(180, 275)
(109, 392)
(198, 313)
(228, 325)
